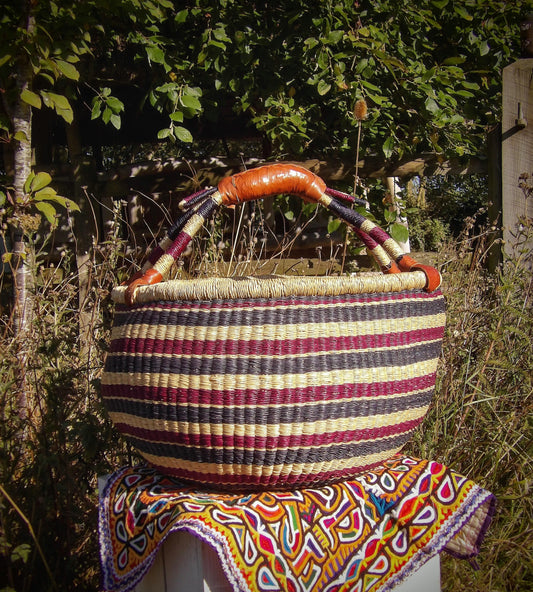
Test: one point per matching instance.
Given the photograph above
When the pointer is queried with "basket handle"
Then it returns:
(262, 182)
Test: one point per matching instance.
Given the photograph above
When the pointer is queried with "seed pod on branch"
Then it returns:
(360, 110)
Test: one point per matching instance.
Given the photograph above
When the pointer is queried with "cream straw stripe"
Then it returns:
(273, 332)
(193, 225)
(367, 226)
(249, 382)
(325, 200)
(163, 264)
(273, 355)
(212, 307)
(266, 471)
(296, 429)
(393, 248)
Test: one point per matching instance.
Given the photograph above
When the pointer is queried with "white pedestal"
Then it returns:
(185, 564)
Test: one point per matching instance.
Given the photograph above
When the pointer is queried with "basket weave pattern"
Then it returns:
(255, 393)
(273, 382)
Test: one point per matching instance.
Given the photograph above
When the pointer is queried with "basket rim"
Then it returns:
(272, 286)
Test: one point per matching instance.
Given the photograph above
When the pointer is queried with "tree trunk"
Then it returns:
(21, 118)
(21, 168)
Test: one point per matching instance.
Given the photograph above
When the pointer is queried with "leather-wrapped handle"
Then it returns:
(272, 179)
(262, 182)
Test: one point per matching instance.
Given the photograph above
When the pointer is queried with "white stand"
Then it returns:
(186, 564)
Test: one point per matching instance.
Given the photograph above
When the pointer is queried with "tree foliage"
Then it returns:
(430, 71)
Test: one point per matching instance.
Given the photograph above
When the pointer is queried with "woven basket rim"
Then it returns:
(273, 286)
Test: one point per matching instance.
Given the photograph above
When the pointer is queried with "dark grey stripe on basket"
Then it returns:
(327, 362)
(264, 457)
(343, 312)
(269, 414)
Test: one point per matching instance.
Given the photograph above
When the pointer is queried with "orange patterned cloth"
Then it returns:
(365, 534)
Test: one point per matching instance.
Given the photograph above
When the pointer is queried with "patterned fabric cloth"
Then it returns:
(366, 534)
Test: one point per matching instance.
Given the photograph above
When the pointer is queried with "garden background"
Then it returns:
(111, 111)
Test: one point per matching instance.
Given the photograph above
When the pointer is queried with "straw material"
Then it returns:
(272, 287)
(278, 392)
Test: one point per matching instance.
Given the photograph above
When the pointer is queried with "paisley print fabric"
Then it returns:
(365, 534)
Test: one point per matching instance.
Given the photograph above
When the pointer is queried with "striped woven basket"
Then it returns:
(273, 382)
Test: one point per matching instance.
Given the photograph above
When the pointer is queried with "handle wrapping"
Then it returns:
(262, 182)
(269, 180)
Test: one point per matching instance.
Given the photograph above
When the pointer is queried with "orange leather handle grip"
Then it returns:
(271, 180)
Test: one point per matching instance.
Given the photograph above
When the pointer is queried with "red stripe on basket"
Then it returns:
(273, 303)
(268, 443)
(313, 394)
(273, 347)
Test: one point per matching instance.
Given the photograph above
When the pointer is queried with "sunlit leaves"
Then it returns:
(59, 103)
(31, 98)
(107, 107)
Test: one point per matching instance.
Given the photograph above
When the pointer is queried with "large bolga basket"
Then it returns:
(273, 382)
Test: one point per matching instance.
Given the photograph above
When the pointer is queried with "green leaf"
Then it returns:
(27, 183)
(66, 114)
(46, 193)
(454, 61)
(471, 85)
(3, 198)
(163, 133)
(177, 116)
(155, 54)
(40, 180)
(191, 102)
(54, 100)
(462, 12)
(5, 58)
(333, 225)
(181, 16)
(323, 87)
(388, 147)
(311, 42)
(464, 93)
(431, 105)
(220, 34)
(97, 109)
(183, 134)
(116, 105)
(399, 232)
(68, 70)
(335, 36)
(390, 215)
(21, 552)
(49, 194)
(370, 86)
(48, 211)
(289, 214)
(116, 121)
(31, 98)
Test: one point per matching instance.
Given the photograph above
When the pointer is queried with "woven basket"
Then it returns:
(273, 382)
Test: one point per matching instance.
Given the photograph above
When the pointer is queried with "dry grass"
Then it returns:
(481, 420)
